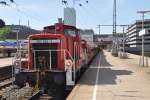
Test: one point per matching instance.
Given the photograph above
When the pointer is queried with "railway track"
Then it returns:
(5, 73)
(39, 96)
(5, 83)
(12, 92)
(26, 93)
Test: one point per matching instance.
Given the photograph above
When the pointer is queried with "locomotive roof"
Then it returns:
(69, 26)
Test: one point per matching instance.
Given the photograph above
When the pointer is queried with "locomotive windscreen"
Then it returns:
(45, 52)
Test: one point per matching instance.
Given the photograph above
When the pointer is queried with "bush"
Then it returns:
(114, 52)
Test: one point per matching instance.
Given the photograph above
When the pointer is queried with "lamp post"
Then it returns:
(110, 25)
(123, 30)
(123, 41)
(99, 29)
(143, 15)
(114, 26)
(16, 67)
(17, 37)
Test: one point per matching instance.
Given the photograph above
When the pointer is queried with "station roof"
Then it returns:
(11, 43)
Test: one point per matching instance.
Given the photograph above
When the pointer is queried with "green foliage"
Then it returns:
(2, 23)
(114, 52)
(6, 3)
(4, 32)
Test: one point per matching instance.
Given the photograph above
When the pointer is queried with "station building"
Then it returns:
(134, 41)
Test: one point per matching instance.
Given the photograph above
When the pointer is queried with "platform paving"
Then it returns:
(112, 78)
(4, 62)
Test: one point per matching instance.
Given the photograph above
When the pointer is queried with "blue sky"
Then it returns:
(45, 12)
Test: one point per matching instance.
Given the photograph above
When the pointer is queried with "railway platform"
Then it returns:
(112, 78)
(5, 62)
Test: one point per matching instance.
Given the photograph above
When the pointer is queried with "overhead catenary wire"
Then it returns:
(82, 23)
(82, 16)
(71, 3)
(35, 18)
(82, 11)
(85, 8)
(25, 13)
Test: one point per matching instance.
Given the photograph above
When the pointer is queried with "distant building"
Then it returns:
(103, 40)
(103, 37)
(87, 34)
(70, 16)
(106, 40)
(133, 40)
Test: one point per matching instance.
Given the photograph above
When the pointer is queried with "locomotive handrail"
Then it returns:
(58, 50)
(18, 59)
(18, 56)
(62, 50)
(70, 56)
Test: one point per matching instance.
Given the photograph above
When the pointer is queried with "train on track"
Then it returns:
(56, 58)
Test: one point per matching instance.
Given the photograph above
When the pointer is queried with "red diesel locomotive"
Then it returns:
(55, 59)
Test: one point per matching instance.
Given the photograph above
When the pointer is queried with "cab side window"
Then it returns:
(70, 32)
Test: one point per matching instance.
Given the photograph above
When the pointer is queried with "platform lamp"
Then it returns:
(15, 68)
(16, 30)
(123, 30)
(143, 15)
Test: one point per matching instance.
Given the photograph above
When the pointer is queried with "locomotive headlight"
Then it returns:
(68, 63)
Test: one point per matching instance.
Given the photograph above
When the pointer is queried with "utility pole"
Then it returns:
(115, 41)
(143, 15)
(123, 30)
(17, 37)
(123, 27)
(28, 23)
(114, 18)
(99, 28)
(100, 25)
(19, 22)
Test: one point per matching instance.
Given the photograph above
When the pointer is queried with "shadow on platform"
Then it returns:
(107, 75)
(103, 62)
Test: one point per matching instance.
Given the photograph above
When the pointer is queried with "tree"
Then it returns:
(2, 23)
(4, 32)
(5, 2)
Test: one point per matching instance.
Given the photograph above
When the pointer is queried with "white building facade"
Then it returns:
(133, 40)
(70, 16)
